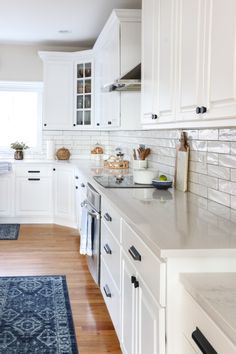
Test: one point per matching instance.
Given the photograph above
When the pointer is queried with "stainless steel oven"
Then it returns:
(93, 216)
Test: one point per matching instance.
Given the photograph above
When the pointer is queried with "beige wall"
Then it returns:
(21, 62)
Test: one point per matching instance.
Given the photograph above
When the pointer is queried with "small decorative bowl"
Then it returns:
(161, 184)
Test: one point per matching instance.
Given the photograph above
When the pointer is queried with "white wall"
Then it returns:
(22, 63)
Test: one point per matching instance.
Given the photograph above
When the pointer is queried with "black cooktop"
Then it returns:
(119, 181)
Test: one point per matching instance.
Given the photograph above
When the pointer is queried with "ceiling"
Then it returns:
(38, 21)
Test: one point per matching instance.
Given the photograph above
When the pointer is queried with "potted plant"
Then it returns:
(19, 147)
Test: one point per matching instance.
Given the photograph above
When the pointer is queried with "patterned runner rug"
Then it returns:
(35, 316)
(9, 231)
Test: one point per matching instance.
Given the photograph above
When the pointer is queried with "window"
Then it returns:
(20, 113)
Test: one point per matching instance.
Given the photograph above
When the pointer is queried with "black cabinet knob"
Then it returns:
(54, 169)
(74, 125)
(134, 281)
(45, 124)
(109, 122)
(98, 124)
(198, 110)
(154, 116)
(203, 109)
(76, 187)
(136, 284)
(76, 177)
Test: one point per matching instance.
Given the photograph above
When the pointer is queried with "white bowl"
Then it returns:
(144, 176)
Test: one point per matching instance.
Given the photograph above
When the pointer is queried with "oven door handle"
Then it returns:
(94, 214)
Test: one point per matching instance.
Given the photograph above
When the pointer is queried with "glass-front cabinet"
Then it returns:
(84, 94)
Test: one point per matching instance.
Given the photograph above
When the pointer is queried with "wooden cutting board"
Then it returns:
(182, 159)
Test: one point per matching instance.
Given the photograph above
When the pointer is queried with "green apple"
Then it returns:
(162, 178)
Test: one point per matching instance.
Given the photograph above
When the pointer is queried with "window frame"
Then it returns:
(30, 86)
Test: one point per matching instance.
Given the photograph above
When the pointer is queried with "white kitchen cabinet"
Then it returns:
(84, 90)
(188, 63)
(158, 61)
(143, 320)
(64, 196)
(117, 51)
(58, 91)
(6, 194)
(80, 195)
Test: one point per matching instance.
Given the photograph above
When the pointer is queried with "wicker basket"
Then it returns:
(63, 154)
(118, 165)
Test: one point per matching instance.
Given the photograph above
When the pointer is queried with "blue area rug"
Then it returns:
(35, 316)
(9, 231)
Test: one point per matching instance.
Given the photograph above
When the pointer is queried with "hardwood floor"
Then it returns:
(52, 249)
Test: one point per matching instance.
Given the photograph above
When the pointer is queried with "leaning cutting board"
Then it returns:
(182, 158)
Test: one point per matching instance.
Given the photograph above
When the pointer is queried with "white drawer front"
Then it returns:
(111, 296)
(195, 317)
(111, 218)
(33, 171)
(150, 267)
(111, 253)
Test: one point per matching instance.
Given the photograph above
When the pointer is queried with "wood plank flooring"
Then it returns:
(51, 250)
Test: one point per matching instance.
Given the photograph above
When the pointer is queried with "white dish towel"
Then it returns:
(86, 233)
(5, 167)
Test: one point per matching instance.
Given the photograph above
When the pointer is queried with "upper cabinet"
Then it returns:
(117, 51)
(189, 63)
(58, 91)
(84, 90)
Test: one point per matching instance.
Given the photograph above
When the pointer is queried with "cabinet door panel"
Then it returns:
(128, 308)
(221, 86)
(190, 66)
(64, 194)
(58, 95)
(151, 324)
(6, 195)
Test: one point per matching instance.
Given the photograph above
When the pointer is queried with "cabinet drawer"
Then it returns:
(33, 171)
(111, 296)
(150, 267)
(195, 317)
(111, 218)
(111, 253)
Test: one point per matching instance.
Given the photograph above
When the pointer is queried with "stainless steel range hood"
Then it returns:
(129, 82)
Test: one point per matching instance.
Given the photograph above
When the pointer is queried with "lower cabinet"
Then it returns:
(64, 195)
(6, 194)
(33, 196)
(142, 318)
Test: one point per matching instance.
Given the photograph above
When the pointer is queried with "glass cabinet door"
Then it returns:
(84, 94)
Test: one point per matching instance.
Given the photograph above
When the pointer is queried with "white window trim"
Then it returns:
(36, 86)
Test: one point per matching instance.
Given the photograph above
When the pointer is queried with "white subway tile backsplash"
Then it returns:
(227, 134)
(233, 202)
(212, 158)
(219, 147)
(227, 160)
(219, 197)
(219, 172)
(208, 134)
(227, 187)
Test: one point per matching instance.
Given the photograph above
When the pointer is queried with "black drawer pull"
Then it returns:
(33, 171)
(198, 110)
(107, 249)
(134, 253)
(202, 342)
(76, 177)
(133, 279)
(107, 291)
(154, 116)
(33, 179)
(203, 110)
(107, 217)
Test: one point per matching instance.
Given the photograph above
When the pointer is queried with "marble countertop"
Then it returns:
(216, 294)
(171, 223)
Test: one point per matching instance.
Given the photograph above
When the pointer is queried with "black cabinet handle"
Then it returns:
(107, 291)
(202, 342)
(76, 187)
(134, 281)
(134, 253)
(107, 217)
(109, 122)
(107, 249)
(76, 177)
(82, 185)
(33, 179)
(203, 109)
(198, 110)
(154, 116)
(45, 124)
(33, 171)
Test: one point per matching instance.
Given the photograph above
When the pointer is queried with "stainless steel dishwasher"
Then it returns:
(93, 211)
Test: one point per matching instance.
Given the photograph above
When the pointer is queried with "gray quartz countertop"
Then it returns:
(216, 294)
